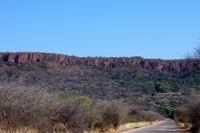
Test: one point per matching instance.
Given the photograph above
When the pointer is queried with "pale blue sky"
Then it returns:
(165, 29)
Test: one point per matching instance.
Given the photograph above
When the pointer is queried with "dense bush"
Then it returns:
(149, 116)
(194, 113)
(181, 114)
(26, 107)
(76, 118)
(35, 108)
(141, 115)
(111, 114)
(137, 114)
(190, 113)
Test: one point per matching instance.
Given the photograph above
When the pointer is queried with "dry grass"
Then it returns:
(127, 126)
(22, 130)
(183, 127)
(124, 127)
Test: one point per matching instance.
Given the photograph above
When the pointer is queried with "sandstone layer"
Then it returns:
(151, 64)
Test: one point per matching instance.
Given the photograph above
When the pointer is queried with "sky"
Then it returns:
(165, 29)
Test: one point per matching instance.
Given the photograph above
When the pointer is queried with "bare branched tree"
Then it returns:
(195, 54)
(195, 57)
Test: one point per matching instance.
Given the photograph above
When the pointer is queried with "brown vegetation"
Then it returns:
(191, 112)
(40, 88)
(34, 108)
(194, 113)
(136, 83)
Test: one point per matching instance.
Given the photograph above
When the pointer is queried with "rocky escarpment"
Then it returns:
(151, 64)
(102, 78)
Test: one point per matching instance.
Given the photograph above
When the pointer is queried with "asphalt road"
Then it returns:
(164, 127)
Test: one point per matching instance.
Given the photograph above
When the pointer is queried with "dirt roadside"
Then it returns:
(182, 129)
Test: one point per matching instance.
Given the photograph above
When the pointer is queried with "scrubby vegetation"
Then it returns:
(35, 109)
(45, 96)
(189, 113)
(137, 85)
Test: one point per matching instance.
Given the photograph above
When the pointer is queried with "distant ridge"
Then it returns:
(151, 64)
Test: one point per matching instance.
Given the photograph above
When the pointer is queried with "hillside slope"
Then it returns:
(136, 80)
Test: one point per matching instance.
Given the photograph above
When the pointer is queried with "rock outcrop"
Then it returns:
(151, 64)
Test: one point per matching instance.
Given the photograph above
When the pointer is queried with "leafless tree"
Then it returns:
(194, 58)
(195, 54)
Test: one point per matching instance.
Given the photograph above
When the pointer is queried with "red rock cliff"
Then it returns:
(152, 64)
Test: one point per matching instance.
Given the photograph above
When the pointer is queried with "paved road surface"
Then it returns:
(164, 127)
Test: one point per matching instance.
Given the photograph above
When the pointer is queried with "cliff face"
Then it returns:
(151, 64)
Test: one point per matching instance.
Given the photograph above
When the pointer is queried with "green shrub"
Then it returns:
(132, 119)
(168, 111)
(84, 100)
